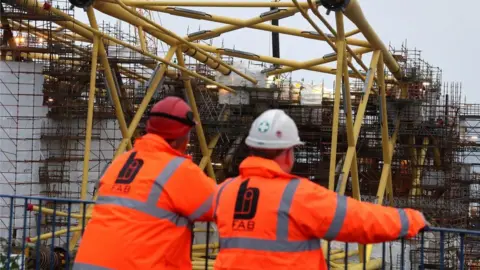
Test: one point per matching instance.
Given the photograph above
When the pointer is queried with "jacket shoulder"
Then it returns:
(190, 166)
(191, 171)
(307, 188)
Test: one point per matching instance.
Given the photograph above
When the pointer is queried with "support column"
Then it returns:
(347, 107)
(200, 134)
(88, 132)
(109, 76)
(141, 35)
(358, 123)
(387, 161)
(336, 109)
(213, 142)
(347, 103)
(416, 190)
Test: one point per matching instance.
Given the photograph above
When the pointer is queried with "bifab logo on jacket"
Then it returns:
(245, 207)
(128, 173)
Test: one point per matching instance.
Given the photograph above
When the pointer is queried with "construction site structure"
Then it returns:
(74, 95)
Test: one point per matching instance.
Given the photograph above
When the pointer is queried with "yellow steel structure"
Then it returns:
(343, 45)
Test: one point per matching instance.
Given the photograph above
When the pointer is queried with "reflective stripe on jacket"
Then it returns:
(268, 219)
(147, 200)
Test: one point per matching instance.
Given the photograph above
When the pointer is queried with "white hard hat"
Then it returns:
(273, 129)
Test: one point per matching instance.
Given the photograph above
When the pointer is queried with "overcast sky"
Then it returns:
(447, 33)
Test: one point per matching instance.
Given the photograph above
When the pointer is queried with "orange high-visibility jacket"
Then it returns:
(268, 219)
(147, 200)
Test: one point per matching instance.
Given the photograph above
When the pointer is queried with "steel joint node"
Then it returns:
(334, 5)
(81, 3)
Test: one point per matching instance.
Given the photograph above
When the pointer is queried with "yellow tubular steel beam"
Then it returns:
(336, 110)
(109, 76)
(348, 112)
(213, 142)
(350, 136)
(184, 41)
(386, 175)
(70, 23)
(88, 132)
(353, 32)
(238, 22)
(358, 122)
(341, 255)
(385, 140)
(354, 12)
(390, 181)
(314, 62)
(202, 254)
(141, 35)
(174, 39)
(118, 12)
(268, 59)
(48, 211)
(76, 37)
(213, 4)
(133, 48)
(348, 104)
(200, 133)
(57, 233)
(385, 136)
(387, 167)
(321, 33)
(157, 78)
(344, 76)
(282, 13)
(416, 189)
(196, 247)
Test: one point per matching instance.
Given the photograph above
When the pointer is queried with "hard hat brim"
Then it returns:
(260, 144)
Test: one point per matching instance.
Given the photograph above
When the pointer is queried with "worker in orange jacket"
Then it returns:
(268, 218)
(148, 198)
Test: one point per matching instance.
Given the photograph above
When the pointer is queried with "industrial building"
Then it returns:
(73, 95)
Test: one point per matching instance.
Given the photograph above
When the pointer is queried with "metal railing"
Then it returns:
(35, 233)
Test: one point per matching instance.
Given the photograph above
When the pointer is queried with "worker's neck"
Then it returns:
(284, 163)
(179, 144)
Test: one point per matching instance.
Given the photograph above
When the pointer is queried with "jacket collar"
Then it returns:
(256, 166)
(153, 143)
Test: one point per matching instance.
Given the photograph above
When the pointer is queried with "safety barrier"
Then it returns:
(35, 233)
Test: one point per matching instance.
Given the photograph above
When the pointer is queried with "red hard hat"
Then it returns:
(170, 118)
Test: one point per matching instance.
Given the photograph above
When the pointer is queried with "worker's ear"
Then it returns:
(289, 159)
(291, 155)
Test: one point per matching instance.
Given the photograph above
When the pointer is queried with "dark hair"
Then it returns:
(266, 153)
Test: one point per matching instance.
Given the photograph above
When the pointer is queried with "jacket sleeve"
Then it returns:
(331, 216)
(193, 195)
